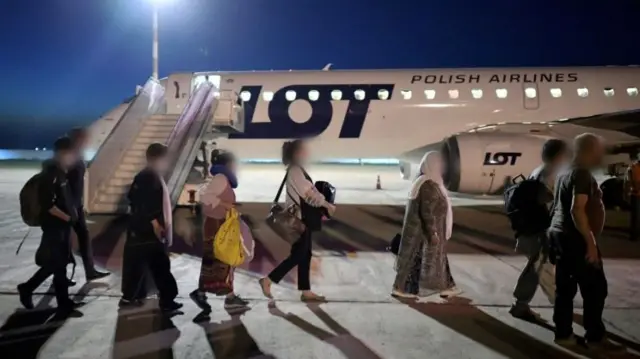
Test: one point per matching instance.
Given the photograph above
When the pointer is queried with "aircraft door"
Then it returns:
(530, 95)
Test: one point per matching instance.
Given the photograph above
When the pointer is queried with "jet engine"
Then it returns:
(484, 163)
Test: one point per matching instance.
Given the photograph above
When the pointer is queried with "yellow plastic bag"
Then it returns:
(227, 245)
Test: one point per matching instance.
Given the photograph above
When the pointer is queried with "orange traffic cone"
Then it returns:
(378, 185)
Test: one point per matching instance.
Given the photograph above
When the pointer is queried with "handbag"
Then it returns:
(284, 221)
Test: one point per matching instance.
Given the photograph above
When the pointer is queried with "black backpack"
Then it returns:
(527, 214)
(29, 201)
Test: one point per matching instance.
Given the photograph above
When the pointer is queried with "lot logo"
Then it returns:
(282, 126)
(501, 158)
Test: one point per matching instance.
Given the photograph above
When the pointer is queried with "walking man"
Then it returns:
(80, 137)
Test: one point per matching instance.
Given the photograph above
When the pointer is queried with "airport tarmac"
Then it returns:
(350, 267)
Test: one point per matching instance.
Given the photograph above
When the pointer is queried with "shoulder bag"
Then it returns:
(284, 221)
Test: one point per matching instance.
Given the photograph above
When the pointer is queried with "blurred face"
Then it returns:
(302, 155)
(161, 165)
(67, 158)
(563, 157)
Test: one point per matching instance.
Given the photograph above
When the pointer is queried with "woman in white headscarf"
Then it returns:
(422, 266)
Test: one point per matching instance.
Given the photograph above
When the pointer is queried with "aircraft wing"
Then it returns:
(627, 122)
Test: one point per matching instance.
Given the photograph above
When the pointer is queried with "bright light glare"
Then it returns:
(158, 2)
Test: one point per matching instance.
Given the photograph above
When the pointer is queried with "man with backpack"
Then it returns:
(528, 206)
(46, 201)
(79, 137)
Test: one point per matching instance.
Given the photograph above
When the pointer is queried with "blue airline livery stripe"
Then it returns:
(282, 126)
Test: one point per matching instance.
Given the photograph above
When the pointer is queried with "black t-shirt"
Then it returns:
(570, 182)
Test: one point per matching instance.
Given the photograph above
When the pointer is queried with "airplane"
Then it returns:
(488, 123)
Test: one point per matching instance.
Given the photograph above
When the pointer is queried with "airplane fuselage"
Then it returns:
(389, 113)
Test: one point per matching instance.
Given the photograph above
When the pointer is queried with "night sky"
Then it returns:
(65, 62)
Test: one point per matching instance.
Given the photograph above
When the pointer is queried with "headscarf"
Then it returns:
(427, 173)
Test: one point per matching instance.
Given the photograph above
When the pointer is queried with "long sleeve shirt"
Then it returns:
(216, 196)
(54, 191)
(146, 201)
(299, 186)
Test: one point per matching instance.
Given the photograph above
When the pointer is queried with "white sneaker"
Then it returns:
(451, 292)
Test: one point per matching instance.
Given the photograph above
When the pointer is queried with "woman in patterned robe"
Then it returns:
(217, 197)
(422, 266)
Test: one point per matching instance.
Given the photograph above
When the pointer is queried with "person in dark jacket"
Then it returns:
(148, 233)
(58, 215)
(79, 136)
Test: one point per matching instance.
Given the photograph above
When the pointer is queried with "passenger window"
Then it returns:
(608, 91)
(245, 96)
(530, 92)
(476, 93)
(501, 93)
(555, 93)
(406, 94)
(290, 95)
(359, 95)
(430, 94)
(267, 96)
(314, 95)
(583, 92)
(383, 94)
(336, 95)
(632, 91)
(454, 94)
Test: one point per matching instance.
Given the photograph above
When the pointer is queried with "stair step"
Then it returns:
(140, 161)
(135, 153)
(130, 167)
(116, 190)
(163, 117)
(125, 174)
(108, 208)
(161, 123)
(113, 199)
(119, 182)
(155, 134)
(150, 140)
(142, 146)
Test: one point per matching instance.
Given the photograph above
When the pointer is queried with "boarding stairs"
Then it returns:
(207, 110)
(112, 196)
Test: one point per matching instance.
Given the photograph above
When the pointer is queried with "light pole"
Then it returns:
(154, 53)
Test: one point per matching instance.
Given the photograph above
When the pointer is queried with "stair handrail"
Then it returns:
(181, 120)
(155, 90)
(184, 160)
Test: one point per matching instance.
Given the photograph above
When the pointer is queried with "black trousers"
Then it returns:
(142, 255)
(52, 257)
(573, 272)
(60, 285)
(300, 256)
(634, 223)
(84, 241)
